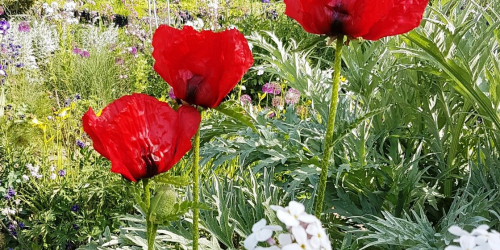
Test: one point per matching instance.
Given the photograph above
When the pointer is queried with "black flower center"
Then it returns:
(151, 167)
(340, 14)
(193, 85)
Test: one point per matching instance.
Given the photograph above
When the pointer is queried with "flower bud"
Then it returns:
(163, 203)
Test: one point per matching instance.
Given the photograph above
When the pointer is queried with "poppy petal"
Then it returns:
(202, 67)
(90, 127)
(140, 135)
(403, 17)
(368, 19)
(189, 120)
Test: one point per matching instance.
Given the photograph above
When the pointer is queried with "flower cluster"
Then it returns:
(304, 231)
(24, 26)
(273, 88)
(34, 172)
(10, 193)
(137, 31)
(292, 96)
(479, 238)
(4, 26)
(245, 99)
(83, 53)
(9, 54)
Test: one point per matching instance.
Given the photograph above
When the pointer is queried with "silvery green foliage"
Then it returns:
(44, 41)
(236, 205)
(24, 39)
(99, 38)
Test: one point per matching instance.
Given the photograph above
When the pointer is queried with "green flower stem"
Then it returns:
(327, 151)
(196, 188)
(150, 235)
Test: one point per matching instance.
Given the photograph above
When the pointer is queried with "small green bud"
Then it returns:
(162, 205)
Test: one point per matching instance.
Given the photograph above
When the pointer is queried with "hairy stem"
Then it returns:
(196, 189)
(150, 235)
(327, 151)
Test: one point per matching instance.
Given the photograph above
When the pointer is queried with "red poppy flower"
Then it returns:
(141, 136)
(369, 19)
(202, 67)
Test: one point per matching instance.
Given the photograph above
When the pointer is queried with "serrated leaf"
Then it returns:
(167, 178)
(461, 79)
(236, 112)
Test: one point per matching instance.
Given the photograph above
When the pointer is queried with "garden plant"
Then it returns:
(250, 124)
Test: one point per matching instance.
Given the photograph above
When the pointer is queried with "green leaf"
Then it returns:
(236, 112)
(461, 78)
(167, 178)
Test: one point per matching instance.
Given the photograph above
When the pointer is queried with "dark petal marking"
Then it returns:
(193, 85)
(340, 14)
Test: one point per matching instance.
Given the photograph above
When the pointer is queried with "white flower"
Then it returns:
(8, 211)
(49, 11)
(198, 24)
(285, 239)
(260, 70)
(318, 236)
(478, 239)
(458, 231)
(292, 215)
(69, 6)
(268, 248)
(467, 242)
(25, 177)
(45, 5)
(260, 233)
(52, 168)
(30, 167)
(301, 241)
(53, 176)
(54, 5)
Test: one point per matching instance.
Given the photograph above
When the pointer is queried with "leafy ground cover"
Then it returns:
(415, 142)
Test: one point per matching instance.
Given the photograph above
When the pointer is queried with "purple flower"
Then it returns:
(271, 115)
(277, 102)
(171, 94)
(85, 54)
(77, 97)
(4, 26)
(67, 102)
(12, 229)
(276, 88)
(21, 225)
(10, 193)
(119, 61)
(132, 50)
(62, 173)
(265, 1)
(76, 227)
(292, 96)
(268, 88)
(245, 99)
(24, 26)
(75, 208)
(77, 51)
(80, 144)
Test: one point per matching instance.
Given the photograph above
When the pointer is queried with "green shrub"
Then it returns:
(17, 6)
